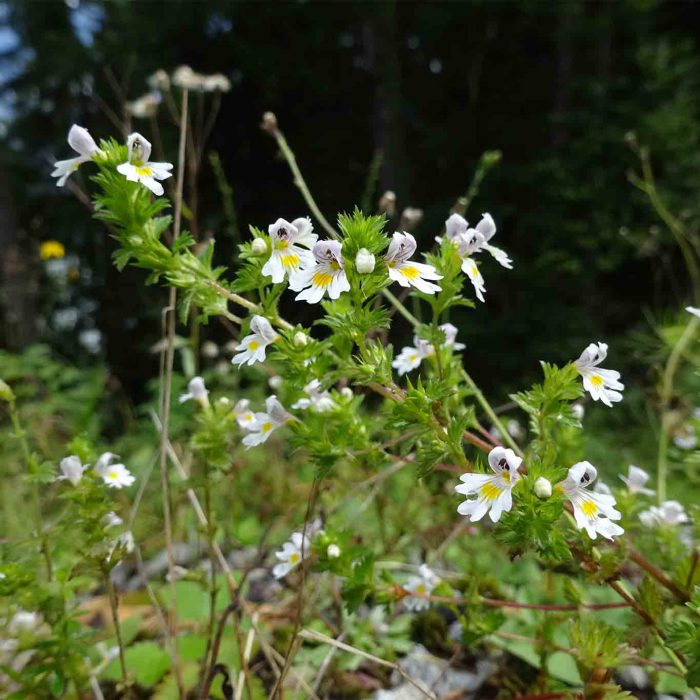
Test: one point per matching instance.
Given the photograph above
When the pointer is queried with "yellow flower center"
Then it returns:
(413, 358)
(589, 508)
(290, 260)
(490, 491)
(143, 171)
(596, 380)
(267, 427)
(420, 589)
(253, 345)
(51, 249)
(322, 279)
(294, 558)
(282, 245)
(409, 271)
(113, 476)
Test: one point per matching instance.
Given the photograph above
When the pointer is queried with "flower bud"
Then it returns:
(269, 123)
(223, 402)
(300, 339)
(364, 261)
(210, 349)
(346, 392)
(543, 488)
(275, 382)
(333, 551)
(6, 393)
(259, 247)
(387, 203)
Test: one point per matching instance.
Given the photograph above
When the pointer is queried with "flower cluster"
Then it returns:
(411, 357)
(114, 475)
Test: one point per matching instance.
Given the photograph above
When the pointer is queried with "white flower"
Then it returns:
(266, 422)
(450, 332)
(470, 241)
(72, 469)
(685, 437)
(252, 347)
(275, 382)
(114, 475)
(693, 310)
(320, 401)
(184, 77)
(84, 145)
(333, 551)
(217, 82)
(24, 621)
(593, 512)
(291, 555)
(406, 272)
(139, 169)
(364, 261)
(287, 257)
(635, 480)
(196, 390)
(493, 491)
(159, 80)
(410, 357)
(420, 587)
(602, 384)
(543, 488)
(668, 513)
(244, 416)
(145, 106)
(112, 520)
(578, 410)
(327, 274)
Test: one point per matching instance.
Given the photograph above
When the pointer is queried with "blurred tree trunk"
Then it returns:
(382, 51)
(18, 279)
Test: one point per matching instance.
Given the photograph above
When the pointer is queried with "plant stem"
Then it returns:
(491, 414)
(666, 395)
(401, 308)
(114, 607)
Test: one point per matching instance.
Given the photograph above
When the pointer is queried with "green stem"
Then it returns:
(114, 607)
(666, 395)
(491, 413)
(401, 308)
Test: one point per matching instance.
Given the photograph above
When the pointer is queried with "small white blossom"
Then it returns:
(244, 416)
(291, 555)
(420, 587)
(685, 438)
(693, 310)
(543, 488)
(493, 491)
(114, 475)
(635, 480)
(252, 347)
(184, 77)
(84, 145)
(24, 621)
(320, 401)
(72, 469)
(327, 274)
(217, 82)
(111, 519)
(287, 255)
(407, 272)
(668, 513)
(578, 410)
(333, 551)
(602, 384)
(209, 349)
(364, 261)
(450, 332)
(593, 512)
(145, 106)
(139, 169)
(274, 416)
(275, 382)
(197, 391)
(159, 80)
(411, 357)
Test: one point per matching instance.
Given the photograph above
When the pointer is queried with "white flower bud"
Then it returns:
(364, 261)
(275, 382)
(259, 247)
(333, 551)
(223, 402)
(543, 488)
(346, 392)
(300, 339)
(210, 349)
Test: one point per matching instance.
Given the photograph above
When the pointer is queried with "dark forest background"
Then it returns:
(557, 87)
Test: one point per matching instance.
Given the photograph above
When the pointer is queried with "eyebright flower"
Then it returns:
(244, 416)
(410, 357)
(693, 310)
(291, 555)
(266, 422)
(145, 106)
(668, 513)
(327, 274)
(114, 475)
(602, 384)
(72, 469)
(196, 390)
(252, 347)
(320, 401)
(420, 586)
(493, 492)
(593, 512)
(450, 332)
(139, 169)
(406, 272)
(635, 480)
(364, 261)
(287, 257)
(84, 145)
